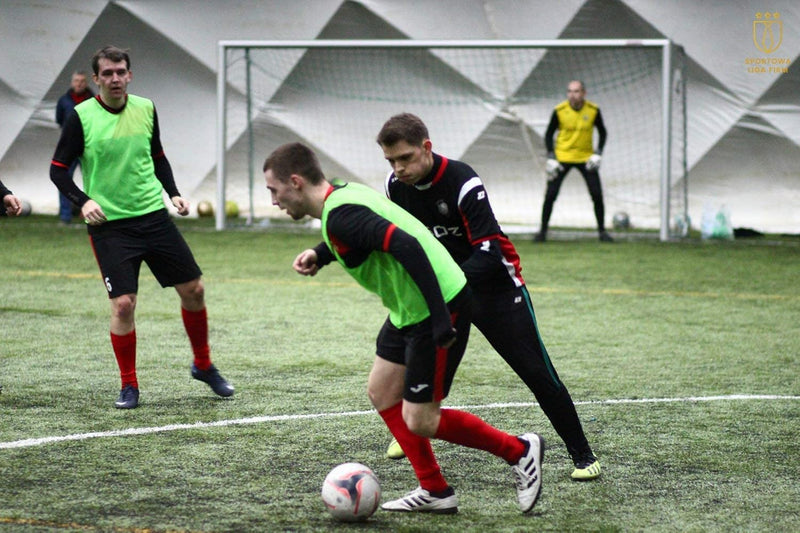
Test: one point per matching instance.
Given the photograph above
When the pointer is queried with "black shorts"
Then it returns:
(429, 370)
(120, 246)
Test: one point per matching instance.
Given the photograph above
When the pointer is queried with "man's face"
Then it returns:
(78, 83)
(575, 94)
(112, 78)
(286, 194)
(410, 163)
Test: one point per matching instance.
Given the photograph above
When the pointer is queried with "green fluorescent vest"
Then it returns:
(383, 274)
(117, 166)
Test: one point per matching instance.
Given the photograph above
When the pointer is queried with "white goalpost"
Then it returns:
(487, 103)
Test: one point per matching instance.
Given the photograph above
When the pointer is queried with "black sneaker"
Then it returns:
(128, 398)
(605, 237)
(540, 237)
(214, 380)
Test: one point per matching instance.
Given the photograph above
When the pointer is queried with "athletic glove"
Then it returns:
(553, 167)
(594, 162)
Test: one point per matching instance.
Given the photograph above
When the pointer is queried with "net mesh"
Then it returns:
(486, 106)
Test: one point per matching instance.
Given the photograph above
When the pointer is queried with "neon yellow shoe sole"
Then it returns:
(394, 451)
(588, 473)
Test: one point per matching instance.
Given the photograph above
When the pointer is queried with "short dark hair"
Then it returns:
(583, 85)
(403, 127)
(112, 53)
(294, 158)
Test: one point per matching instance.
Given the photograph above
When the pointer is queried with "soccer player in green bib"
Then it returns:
(125, 172)
(390, 253)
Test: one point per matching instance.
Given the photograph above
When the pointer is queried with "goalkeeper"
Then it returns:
(575, 119)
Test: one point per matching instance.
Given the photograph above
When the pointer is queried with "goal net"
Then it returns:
(486, 103)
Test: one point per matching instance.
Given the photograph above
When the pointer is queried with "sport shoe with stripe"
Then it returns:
(587, 468)
(420, 500)
(528, 471)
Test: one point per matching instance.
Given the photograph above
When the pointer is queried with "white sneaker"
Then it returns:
(528, 472)
(420, 500)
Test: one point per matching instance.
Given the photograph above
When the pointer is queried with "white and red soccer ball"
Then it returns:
(351, 492)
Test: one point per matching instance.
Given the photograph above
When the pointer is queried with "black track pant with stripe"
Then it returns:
(507, 320)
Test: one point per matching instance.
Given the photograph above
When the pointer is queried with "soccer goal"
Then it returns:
(487, 103)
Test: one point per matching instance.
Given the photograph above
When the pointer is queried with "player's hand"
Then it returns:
(594, 162)
(92, 213)
(553, 167)
(13, 205)
(181, 205)
(306, 263)
(446, 338)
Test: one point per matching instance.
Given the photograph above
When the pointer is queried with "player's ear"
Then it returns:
(427, 145)
(296, 181)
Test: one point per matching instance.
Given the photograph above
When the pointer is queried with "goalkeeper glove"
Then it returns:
(594, 162)
(553, 167)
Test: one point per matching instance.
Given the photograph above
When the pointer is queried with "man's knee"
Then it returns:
(124, 306)
(385, 384)
(421, 419)
(192, 292)
(382, 397)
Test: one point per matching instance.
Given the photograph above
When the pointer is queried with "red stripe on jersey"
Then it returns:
(512, 258)
(440, 172)
(387, 237)
(465, 222)
(341, 248)
(159, 154)
(58, 164)
(486, 238)
(328, 192)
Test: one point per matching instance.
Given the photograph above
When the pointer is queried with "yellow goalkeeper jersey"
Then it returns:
(575, 128)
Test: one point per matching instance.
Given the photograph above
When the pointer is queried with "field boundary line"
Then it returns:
(27, 443)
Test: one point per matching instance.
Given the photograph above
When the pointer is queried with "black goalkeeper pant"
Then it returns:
(507, 320)
(592, 179)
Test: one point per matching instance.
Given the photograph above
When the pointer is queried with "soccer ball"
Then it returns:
(621, 220)
(231, 209)
(205, 209)
(351, 492)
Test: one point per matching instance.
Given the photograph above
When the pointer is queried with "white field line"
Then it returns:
(26, 443)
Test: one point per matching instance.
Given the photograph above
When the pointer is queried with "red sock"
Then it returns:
(466, 429)
(417, 449)
(196, 324)
(125, 351)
